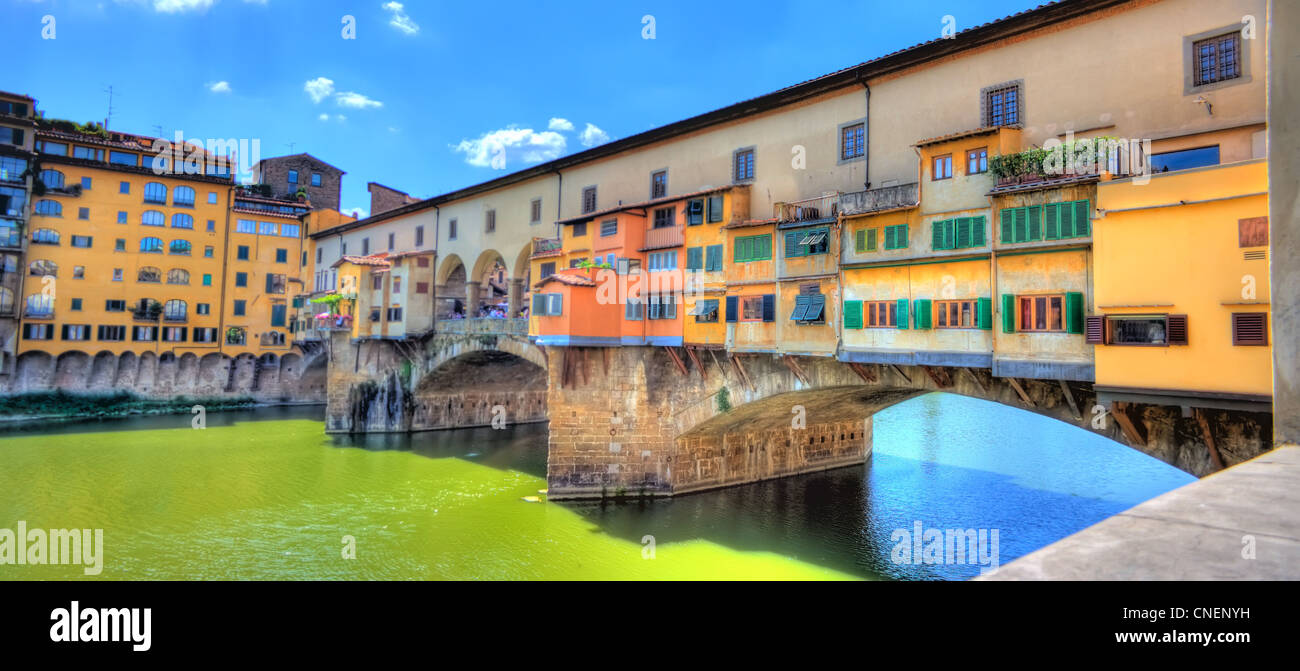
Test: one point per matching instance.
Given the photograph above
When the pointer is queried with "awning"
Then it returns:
(704, 307)
(813, 238)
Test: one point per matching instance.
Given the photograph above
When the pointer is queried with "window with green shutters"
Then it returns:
(896, 237)
(713, 258)
(1022, 224)
(984, 313)
(695, 258)
(1066, 220)
(752, 248)
(864, 240)
(816, 238)
(852, 314)
(958, 233)
(924, 313)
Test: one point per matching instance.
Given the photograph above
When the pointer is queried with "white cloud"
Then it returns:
(400, 20)
(319, 88)
(355, 100)
(592, 136)
(359, 212)
(560, 124)
(175, 6)
(512, 145)
(220, 87)
(324, 117)
(337, 117)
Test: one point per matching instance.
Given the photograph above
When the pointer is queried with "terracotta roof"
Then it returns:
(372, 260)
(751, 222)
(412, 252)
(974, 132)
(567, 278)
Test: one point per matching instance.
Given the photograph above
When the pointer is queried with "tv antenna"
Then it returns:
(109, 116)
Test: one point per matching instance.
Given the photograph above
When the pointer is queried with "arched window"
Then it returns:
(49, 208)
(43, 267)
(155, 192)
(39, 305)
(151, 245)
(179, 247)
(148, 274)
(182, 220)
(52, 179)
(178, 276)
(152, 218)
(6, 301)
(45, 236)
(174, 311)
(183, 196)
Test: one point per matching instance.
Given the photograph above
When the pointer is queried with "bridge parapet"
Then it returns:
(485, 326)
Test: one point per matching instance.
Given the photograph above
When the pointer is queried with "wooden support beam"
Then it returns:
(1204, 422)
(939, 375)
(900, 372)
(1069, 397)
(1130, 422)
(867, 374)
(794, 368)
(722, 370)
(740, 371)
(1015, 384)
(677, 360)
(978, 380)
(690, 351)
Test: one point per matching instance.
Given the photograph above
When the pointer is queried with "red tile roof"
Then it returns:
(570, 279)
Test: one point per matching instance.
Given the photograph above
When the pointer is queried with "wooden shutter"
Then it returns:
(871, 239)
(763, 247)
(769, 307)
(1052, 221)
(695, 258)
(924, 313)
(977, 231)
(938, 238)
(1008, 313)
(1034, 214)
(860, 240)
(903, 313)
(732, 307)
(715, 208)
(1250, 328)
(984, 313)
(1074, 312)
(1176, 329)
(1082, 217)
(1095, 330)
(539, 305)
(801, 304)
(852, 314)
(713, 257)
(792, 246)
(901, 236)
(1008, 216)
(1252, 232)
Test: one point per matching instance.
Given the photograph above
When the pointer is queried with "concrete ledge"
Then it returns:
(1196, 532)
(1044, 370)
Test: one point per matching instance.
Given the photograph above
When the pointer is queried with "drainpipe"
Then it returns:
(866, 136)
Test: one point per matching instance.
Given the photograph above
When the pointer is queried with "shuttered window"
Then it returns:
(958, 233)
(809, 309)
(1022, 224)
(715, 209)
(1250, 328)
(1095, 330)
(852, 314)
(924, 313)
(896, 237)
(713, 258)
(807, 242)
(695, 258)
(864, 240)
(1066, 220)
(879, 314)
(752, 248)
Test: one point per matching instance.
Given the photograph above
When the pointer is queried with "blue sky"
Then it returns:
(428, 92)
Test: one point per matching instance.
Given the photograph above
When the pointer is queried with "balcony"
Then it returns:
(808, 209)
(664, 237)
(546, 247)
(880, 200)
(485, 326)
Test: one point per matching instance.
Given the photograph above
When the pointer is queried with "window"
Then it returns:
(37, 331)
(421, 287)
(124, 187)
(959, 314)
(958, 233)
(45, 236)
(281, 256)
(83, 213)
(42, 268)
(392, 237)
(547, 270)
(123, 158)
(239, 308)
(241, 253)
(114, 305)
(174, 310)
(289, 230)
(881, 314)
(941, 167)
(419, 236)
(627, 266)
(293, 176)
(207, 279)
(663, 306)
(658, 184)
(451, 230)
(664, 217)
(183, 196)
(807, 243)
(397, 285)
(713, 258)
(202, 308)
(275, 283)
(1217, 59)
(395, 314)
(548, 305)
(117, 274)
(52, 179)
(490, 223)
(1053, 221)
(608, 228)
(111, 333)
(695, 258)
(751, 308)
(49, 208)
(152, 218)
(85, 183)
(752, 248)
(148, 274)
(182, 220)
(1185, 159)
(205, 335)
(1252, 232)
(78, 272)
(864, 240)
(84, 241)
(155, 192)
(715, 209)
(743, 165)
(76, 305)
(235, 336)
(1250, 328)
(173, 334)
(695, 212)
(151, 245)
(121, 217)
(266, 228)
(212, 198)
(977, 161)
(534, 212)
(1002, 105)
(76, 332)
(245, 226)
(705, 311)
(182, 247)
(662, 260)
(809, 308)
(377, 282)
(315, 179)
(241, 279)
(208, 251)
(896, 236)
(178, 276)
(15, 136)
(588, 199)
(852, 141)
(365, 246)
(1044, 313)
(634, 311)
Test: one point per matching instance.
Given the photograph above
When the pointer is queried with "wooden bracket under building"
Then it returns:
(1130, 422)
(740, 371)
(690, 352)
(900, 372)
(939, 375)
(1069, 398)
(1015, 384)
(794, 368)
(975, 376)
(677, 360)
(867, 374)
(1204, 423)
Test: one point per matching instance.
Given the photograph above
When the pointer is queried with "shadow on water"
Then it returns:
(157, 422)
(520, 447)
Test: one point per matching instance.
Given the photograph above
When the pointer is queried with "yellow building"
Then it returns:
(265, 249)
(706, 279)
(1182, 288)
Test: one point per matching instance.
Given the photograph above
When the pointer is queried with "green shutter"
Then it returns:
(902, 313)
(871, 239)
(977, 232)
(1051, 221)
(1008, 216)
(765, 245)
(1074, 312)
(713, 258)
(694, 258)
(902, 233)
(1082, 215)
(1008, 313)
(792, 246)
(741, 252)
(984, 313)
(853, 314)
(937, 237)
(1035, 222)
(962, 233)
(860, 240)
(923, 313)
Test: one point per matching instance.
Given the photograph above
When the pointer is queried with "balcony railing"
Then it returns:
(487, 326)
(879, 200)
(808, 209)
(664, 237)
(546, 246)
